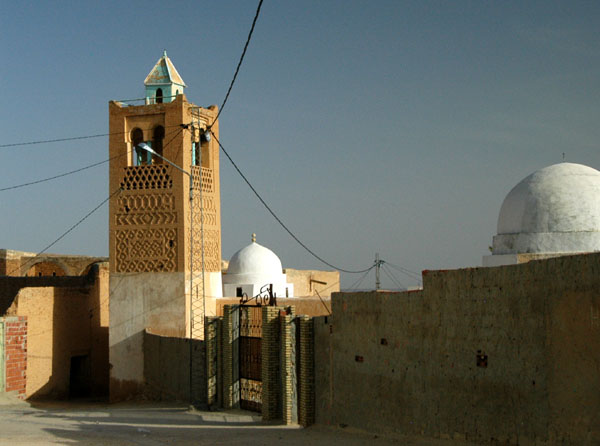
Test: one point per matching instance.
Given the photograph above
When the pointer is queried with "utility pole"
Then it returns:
(377, 266)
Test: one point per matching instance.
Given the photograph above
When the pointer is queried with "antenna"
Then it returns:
(563, 157)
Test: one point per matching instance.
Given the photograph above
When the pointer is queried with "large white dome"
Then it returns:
(555, 209)
(255, 259)
(251, 269)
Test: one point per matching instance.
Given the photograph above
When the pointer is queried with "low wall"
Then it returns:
(505, 355)
(167, 369)
(309, 306)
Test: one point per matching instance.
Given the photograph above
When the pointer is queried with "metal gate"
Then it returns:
(250, 348)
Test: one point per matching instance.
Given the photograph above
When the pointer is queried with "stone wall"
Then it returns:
(506, 355)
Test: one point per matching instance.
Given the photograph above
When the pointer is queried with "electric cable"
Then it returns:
(72, 138)
(31, 183)
(238, 65)
(396, 282)
(310, 251)
(406, 272)
(81, 220)
(360, 279)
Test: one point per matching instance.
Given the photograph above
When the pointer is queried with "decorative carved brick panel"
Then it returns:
(146, 250)
(146, 177)
(212, 233)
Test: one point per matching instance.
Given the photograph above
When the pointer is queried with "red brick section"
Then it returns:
(15, 353)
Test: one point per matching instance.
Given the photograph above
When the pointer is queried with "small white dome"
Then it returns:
(555, 209)
(255, 259)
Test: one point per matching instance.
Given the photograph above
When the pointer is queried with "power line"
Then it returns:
(239, 64)
(72, 138)
(310, 251)
(62, 174)
(406, 272)
(360, 279)
(31, 183)
(66, 232)
(393, 278)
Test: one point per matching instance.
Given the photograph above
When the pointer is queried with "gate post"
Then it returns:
(212, 338)
(270, 364)
(289, 384)
(306, 379)
(231, 368)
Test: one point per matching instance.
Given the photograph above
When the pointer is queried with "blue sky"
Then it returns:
(384, 126)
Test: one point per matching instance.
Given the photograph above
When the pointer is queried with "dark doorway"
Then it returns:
(80, 378)
(159, 96)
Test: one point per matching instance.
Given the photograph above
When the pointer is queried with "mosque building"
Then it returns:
(554, 211)
(251, 269)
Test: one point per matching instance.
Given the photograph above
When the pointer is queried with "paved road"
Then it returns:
(158, 425)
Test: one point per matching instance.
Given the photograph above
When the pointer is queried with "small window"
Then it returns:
(238, 292)
(159, 96)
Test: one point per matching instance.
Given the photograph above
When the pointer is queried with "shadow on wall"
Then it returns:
(68, 344)
(167, 368)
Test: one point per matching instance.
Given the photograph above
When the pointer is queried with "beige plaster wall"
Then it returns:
(407, 362)
(141, 301)
(313, 282)
(65, 322)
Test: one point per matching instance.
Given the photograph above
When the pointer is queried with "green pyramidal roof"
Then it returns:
(164, 72)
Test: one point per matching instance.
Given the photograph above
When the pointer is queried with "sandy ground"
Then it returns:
(160, 424)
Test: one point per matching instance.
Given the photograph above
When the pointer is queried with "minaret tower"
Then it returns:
(150, 214)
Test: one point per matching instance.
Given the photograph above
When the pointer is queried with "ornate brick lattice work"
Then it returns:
(146, 250)
(146, 221)
(155, 176)
(206, 179)
(212, 232)
(146, 209)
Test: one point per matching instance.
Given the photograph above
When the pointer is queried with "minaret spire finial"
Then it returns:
(253, 238)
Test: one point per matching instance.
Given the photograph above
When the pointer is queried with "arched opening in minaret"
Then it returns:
(157, 143)
(200, 152)
(140, 156)
(159, 96)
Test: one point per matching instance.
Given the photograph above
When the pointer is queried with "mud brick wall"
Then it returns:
(507, 355)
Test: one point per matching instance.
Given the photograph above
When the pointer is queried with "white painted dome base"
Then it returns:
(546, 242)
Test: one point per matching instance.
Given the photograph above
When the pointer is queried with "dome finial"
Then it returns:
(164, 53)
(253, 237)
